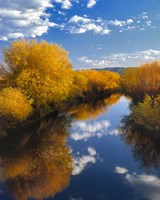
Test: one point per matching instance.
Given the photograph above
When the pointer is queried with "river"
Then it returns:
(86, 154)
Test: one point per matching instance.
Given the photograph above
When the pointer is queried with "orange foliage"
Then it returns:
(13, 104)
(101, 80)
(42, 167)
(41, 71)
(141, 80)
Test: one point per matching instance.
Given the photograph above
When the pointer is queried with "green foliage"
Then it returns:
(144, 143)
(13, 104)
(147, 113)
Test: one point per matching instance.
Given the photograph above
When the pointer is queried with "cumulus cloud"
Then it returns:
(80, 163)
(120, 23)
(24, 18)
(78, 24)
(91, 3)
(82, 24)
(32, 18)
(122, 59)
(85, 130)
(65, 4)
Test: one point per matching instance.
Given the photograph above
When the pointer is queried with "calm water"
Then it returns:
(84, 155)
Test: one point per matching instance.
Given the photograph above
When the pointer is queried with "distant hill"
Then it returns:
(112, 69)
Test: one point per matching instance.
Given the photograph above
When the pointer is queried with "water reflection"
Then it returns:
(80, 162)
(37, 163)
(38, 160)
(145, 186)
(91, 110)
(145, 143)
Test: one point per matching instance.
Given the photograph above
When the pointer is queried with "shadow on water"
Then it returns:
(35, 160)
(145, 143)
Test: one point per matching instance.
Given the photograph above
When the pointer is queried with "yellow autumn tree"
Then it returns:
(140, 80)
(14, 104)
(99, 81)
(80, 82)
(42, 71)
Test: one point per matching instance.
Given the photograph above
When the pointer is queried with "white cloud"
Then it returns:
(65, 4)
(82, 24)
(32, 18)
(79, 24)
(120, 23)
(85, 130)
(80, 163)
(91, 151)
(121, 170)
(91, 3)
(78, 19)
(145, 186)
(24, 18)
(130, 21)
(122, 59)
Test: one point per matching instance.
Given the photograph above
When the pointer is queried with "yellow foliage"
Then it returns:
(41, 71)
(45, 57)
(101, 80)
(79, 83)
(140, 80)
(13, 104)
(44, 89)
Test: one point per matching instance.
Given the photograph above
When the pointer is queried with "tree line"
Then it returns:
(38, 77)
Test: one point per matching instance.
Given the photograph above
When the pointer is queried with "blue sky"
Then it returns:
(97, 33)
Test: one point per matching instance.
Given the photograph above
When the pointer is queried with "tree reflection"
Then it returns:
(37, 163)
(91, 110)
(145, 143)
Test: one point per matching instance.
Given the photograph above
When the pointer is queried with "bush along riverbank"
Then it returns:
(38, 78)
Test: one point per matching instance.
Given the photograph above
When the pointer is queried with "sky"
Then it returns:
(97, 33)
